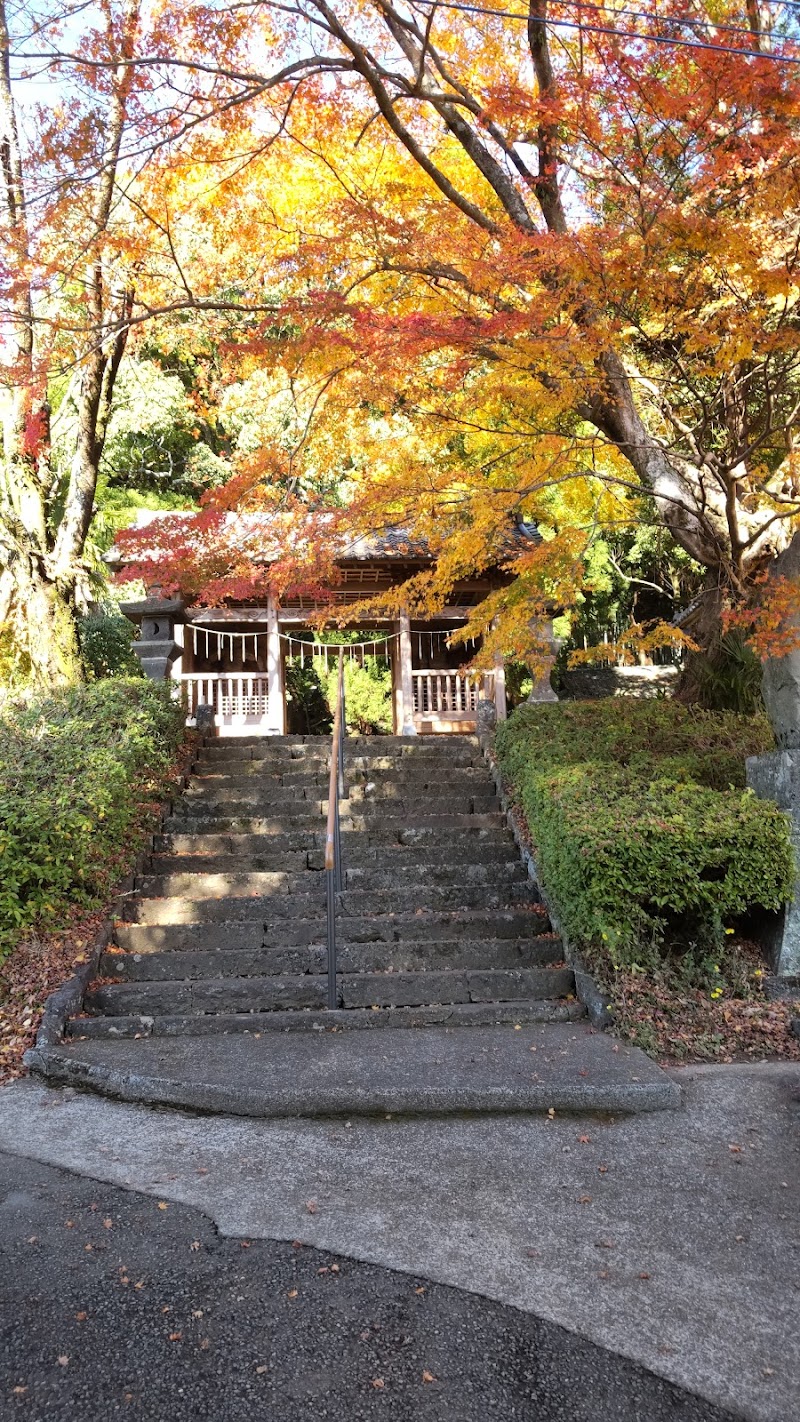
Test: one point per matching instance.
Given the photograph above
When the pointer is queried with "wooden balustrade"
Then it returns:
(240, 699)
(445, 693)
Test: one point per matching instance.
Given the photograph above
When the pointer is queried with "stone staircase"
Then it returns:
(438, 921)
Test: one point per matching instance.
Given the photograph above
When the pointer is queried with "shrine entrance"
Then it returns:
(252, 666)
(238, 660)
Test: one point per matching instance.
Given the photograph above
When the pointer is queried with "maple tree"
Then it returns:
(89, 126)
(537, 270)
(505, 265)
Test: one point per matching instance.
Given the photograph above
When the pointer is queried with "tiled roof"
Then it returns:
(393, 544)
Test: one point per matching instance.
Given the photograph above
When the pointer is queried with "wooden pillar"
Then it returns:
(407, 727)
(500, 705)
(179, 638)
(276, 708)
(397, 685)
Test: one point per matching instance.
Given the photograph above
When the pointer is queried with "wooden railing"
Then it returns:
(445, 693)
(238, 698)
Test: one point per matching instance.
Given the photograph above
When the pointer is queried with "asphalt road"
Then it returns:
(118, 1304)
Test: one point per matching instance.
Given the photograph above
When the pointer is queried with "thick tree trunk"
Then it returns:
(41, 615)
(704, 625)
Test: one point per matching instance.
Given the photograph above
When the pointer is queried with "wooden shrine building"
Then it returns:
(234, 658)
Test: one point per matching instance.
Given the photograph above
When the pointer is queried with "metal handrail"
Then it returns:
(333, 843)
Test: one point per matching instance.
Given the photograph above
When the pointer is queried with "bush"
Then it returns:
(367, 695)
(640, 820)
(75, 771)
(106, 641)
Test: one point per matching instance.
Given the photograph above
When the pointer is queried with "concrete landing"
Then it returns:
(424, 1071)
(667, 1237)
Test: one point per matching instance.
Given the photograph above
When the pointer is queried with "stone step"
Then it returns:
(293, 809)
(456, 843)
(274, 862)
(376, 871)
(261, 790)
(269, 790)
(381, 828)
(294, 748)
(222, 1024)
(315, 757)
(187, 834)
(281, 908)
(250, 935)
(212, 886)
(423, 775)
(263, 994)
(154, 965)
(420, 927)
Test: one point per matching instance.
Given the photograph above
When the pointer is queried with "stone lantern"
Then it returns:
(156, 619)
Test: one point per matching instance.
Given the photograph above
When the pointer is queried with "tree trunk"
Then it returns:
(704, 625)
(41, 616)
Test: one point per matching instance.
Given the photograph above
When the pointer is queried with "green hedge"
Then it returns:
(75, 771)
(640, 820)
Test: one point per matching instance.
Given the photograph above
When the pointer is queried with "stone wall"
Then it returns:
(590, 683)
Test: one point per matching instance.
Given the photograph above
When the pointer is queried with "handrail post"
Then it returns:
(333, 850)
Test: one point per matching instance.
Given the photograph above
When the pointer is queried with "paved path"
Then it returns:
(116, 1304)
(671, 1239)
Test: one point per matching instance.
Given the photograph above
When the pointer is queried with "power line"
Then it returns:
(689, 20)
(669, 40)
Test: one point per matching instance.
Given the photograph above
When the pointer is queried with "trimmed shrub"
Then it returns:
(76, 770)
(106, 641)
(641, 822)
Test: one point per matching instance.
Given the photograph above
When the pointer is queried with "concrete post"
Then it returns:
(406, 685)
(500, 703)
(776, 777)
(542, 690)
(276, 707)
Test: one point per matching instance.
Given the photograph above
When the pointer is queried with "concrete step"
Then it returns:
(282, 907)
(251, 935)
(389, 989)
(154, 965)
(441, 1069)
(190, 853)
(338, 1020)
